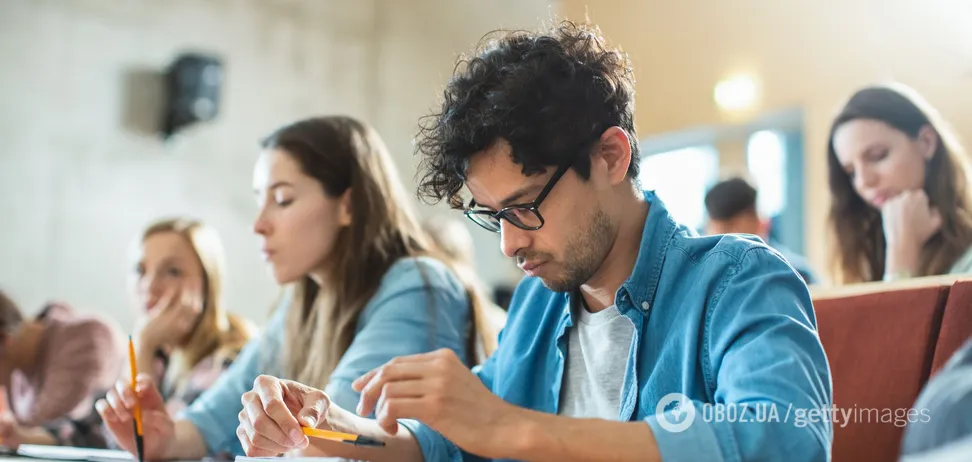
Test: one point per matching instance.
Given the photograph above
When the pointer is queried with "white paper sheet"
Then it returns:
(69, 453)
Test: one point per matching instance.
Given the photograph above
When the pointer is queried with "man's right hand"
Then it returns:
(117, 410)
(274, 412)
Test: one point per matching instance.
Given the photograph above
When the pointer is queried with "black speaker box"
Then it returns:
(193, 83)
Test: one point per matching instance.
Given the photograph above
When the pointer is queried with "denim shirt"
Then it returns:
(397, 321)
(720, 319)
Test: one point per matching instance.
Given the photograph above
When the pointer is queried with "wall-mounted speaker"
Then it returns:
(193, 84)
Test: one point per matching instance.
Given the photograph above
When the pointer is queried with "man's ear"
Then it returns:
(344, 209)
(927, 142)
(613, 155)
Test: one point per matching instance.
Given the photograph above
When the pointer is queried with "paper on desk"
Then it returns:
(68, 453)
(296, 459)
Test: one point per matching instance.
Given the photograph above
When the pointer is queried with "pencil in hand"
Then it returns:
(139, 446)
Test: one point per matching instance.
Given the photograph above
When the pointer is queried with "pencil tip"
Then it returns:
(367, 441)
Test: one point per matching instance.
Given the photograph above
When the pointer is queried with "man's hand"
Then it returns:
(274, 412)
(440, 391)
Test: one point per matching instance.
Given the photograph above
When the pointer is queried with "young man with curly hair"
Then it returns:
(630, 332)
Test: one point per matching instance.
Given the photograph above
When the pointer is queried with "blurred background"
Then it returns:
(747, 86)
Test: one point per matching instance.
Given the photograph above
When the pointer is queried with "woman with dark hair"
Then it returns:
(899, 180)
(363, 288)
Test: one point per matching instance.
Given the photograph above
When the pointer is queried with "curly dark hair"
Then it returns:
(549, 94)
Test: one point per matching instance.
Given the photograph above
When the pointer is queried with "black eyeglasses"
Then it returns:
(524, 216)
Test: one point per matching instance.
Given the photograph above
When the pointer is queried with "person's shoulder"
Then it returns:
(84, 340)
(964, 264)
(728, 248)
(89, 328)
(239, 332)
(409, 285)
(419, 273)
(727, 257)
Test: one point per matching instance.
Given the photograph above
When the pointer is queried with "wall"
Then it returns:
(78, 179)
(807, 53)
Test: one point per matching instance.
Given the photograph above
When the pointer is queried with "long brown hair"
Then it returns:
(453, 241)
(217, 331)
(345, 154)
(859, 255)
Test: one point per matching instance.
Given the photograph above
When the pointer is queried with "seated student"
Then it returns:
(899, 181)
(185, 338)
(628, 326)
(52, 367)
(361, 289)
(731, 205)
(454, 242)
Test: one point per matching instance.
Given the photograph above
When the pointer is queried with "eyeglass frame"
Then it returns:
(533, 206)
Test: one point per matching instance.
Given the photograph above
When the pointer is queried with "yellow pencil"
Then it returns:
(139, 444)
(357, 440)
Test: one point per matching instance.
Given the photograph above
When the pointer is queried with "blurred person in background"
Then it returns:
(184, 338)
(52, 367)
(731, 206)
(899, 183)
(946, 407)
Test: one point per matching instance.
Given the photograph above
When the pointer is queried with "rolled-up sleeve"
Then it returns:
(436, 447)
(763, 357)
(214, 413)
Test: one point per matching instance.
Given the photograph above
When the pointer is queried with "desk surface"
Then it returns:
(8, 458)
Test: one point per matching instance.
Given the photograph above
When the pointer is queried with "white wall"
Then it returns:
(78, 179)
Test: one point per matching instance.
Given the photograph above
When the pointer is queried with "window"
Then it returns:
(681, 179)
(766, 161)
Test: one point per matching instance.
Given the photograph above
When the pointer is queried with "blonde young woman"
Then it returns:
(362, 288)
(185, 338)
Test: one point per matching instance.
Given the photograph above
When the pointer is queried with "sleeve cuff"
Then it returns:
(434, 446)
(687, 438)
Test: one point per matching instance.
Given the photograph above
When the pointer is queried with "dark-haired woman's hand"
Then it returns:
(909, 221)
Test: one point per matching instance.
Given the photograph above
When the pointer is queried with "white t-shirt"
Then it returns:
(598, 346)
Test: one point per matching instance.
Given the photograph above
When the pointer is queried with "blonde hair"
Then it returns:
(217, 331)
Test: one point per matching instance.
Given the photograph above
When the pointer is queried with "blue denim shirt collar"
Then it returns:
(640, 287)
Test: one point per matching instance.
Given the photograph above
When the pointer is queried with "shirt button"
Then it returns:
(645, 306)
